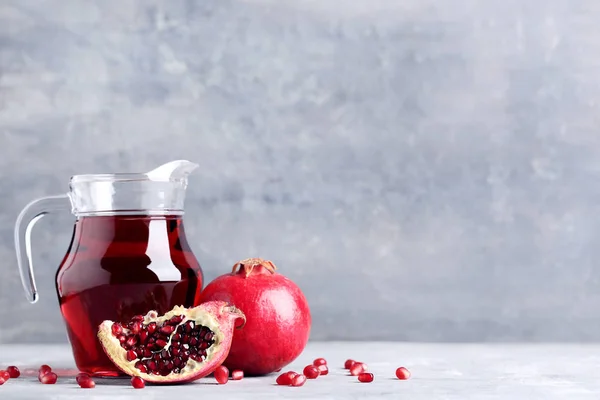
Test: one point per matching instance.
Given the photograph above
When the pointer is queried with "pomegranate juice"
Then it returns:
(118, 267)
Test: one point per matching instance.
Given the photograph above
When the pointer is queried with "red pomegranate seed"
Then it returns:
(131, 341)
(237, 374)
(49, 378)
(136, 327)
(167, 329)
(151, 328)
(13, 371)
(402, 373)
(4, 375)
(116, 329)
(222, 374)
(131, 355)
(82, 376)
(298, 380)
(349, 363)
(2, 381)
(311, 372)
(365, 377)
(286, 378)
(137, 382)
(357, 369)
(323, 370)
(44, 369)
(87, 383)
(319, 361)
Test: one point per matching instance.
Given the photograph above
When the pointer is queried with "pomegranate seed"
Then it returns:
(82, 376)
(151, 328)
(161, 343)
(298, 380)
(323, 370)
(13, 371)
(138, 318)
(116, 329)
(49, 378)
(402, 373)
(136, 327)
(87, 383)
(237, 374)
(311, 372)
(4, 374)
(319, 361)
(357, 369)
(222, 374)
(44, 369)
(349, 363)
(141, 367)
(286, 378)
(2, 381)
(131, 355)
(131, 341)
(137, 382)
(365, 377)
(167, 329)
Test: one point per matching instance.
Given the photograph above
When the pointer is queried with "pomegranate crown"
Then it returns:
(249, 264)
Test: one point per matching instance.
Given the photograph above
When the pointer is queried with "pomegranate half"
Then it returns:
(182, 345)
(278, 317)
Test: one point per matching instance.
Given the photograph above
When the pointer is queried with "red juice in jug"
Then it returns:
(119, 266)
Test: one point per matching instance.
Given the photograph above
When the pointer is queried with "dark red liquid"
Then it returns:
(118, 267)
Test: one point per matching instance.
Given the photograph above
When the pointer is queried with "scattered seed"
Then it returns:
(349, 363)
(44, 369)
(319, 361)
(137, 382)
(357, 369)
(13, 371)
(82, 376)
(402, 373)
(87, 383)
(298, 380)
(286, 378)
(222, 375)
(365, 377)
(237, 374)
(311, 372)
(49, 378)
(4, 375)
(323, 370)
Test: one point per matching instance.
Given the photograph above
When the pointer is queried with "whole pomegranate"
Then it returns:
(278, 318)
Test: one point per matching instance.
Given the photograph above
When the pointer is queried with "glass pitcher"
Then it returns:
(128, 253)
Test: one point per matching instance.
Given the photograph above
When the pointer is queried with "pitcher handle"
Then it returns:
(25, 222)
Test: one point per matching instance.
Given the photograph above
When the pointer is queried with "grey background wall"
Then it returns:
(424, 170)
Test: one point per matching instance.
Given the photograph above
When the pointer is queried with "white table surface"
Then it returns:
(440, 371)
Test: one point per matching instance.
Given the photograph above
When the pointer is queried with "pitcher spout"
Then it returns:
(172, 171)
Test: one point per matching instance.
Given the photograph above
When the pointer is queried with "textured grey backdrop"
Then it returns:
(425, 170)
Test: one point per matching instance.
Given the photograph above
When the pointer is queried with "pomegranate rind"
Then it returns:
(218, 316)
